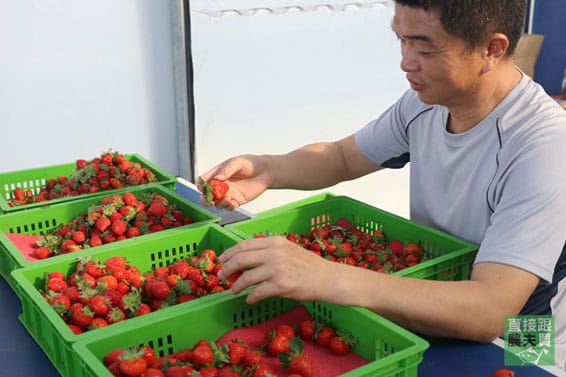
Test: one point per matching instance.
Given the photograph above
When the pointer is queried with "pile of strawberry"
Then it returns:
(114, 218)
(342, 242)
(96, 294)
(111, 170)
(236, 358)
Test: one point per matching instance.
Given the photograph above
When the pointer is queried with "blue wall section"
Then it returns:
(550, 20)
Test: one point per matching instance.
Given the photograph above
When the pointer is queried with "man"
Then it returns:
(486, 147)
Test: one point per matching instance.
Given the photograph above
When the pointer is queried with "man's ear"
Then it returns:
(496, 47)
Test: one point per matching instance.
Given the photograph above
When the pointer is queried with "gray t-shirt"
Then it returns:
(501, 184)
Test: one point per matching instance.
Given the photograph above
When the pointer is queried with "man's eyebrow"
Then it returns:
(414, 37)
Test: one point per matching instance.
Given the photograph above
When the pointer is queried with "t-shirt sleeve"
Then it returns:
(385, 140)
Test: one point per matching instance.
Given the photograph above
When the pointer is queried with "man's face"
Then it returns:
(437, 64)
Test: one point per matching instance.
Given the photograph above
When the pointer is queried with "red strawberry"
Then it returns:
(102, 224)
(295, 361)
(342, 343)
(214, 190)
(219, 189)
(396, 247)
(119, 227)
(82, 317)
(278, 344)
(115, 315)
(503, 373)
(153, 372)
(287, 331)
(302, 365)
(148, 354)
(19, 194)
(157, 208)
(78, 236)
(112, 356)
(159, 290)
(263, 370)
(324, 335)
(43, 252)
(132, 364)
(237, 350)
(252, 358)
(202, 355)
(99, 305)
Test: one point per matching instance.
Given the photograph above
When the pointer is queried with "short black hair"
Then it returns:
(473, 20)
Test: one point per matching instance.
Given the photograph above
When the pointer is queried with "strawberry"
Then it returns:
(152, 372)
(82, 317)
(302, 365)
(219, 189)
(178, 371)
(295, 361)
(202, 355)
(307, 329)
(148, 354)
(503, 373)
(252, 358)
(157, 208)
(132, 363)
(99, 305)
(61, 303)
(112, 356)
(97, 323)
(263, 370)
(43, 252)
(119, 227)
(102, 224)
(324, 335)
(115, 315)
(19, 194)
(278, 344)
(287, 331)
(214, 190)
(57, 285)
(159, 290)
(237, 351)
(78, 236)
(342, 343)
(210, 371)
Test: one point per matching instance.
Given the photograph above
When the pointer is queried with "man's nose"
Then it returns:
(409, 63)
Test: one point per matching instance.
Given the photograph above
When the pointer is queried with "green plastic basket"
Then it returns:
(389, 349)
(36, 179)
(51, 332)
(448, 257)
(296, 204)
(42, 220)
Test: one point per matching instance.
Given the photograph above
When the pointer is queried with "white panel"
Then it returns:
(80, 77)
(271, 76)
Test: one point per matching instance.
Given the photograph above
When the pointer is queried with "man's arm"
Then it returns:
(319, 165)
(473, 309)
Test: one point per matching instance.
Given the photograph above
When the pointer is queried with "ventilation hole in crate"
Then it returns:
(170, 349)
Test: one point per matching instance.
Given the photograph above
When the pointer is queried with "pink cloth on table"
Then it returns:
(25, 243)
(325, 364)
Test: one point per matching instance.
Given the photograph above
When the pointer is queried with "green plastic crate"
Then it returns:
(298, 203)
(389, 349)
(42, 220)
(448, 257)
(51, 332)
(36, 179)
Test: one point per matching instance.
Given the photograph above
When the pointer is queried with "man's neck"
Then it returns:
(492, 89)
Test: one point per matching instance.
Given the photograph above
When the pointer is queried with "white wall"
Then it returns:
(271, 76)
(80, 77)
